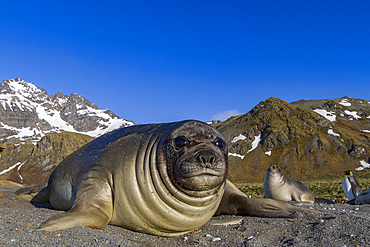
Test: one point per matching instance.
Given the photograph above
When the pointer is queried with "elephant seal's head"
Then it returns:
(195, 156)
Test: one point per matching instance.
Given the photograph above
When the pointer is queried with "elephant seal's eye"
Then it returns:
(181, 142)
(220, 144)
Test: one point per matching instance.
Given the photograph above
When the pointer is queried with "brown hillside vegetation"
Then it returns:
(298, 140)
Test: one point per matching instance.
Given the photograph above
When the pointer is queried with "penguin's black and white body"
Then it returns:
(350, 185)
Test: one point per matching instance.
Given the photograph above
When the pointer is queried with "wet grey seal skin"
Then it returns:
(280, 187)
(362, 198)
(162, 179)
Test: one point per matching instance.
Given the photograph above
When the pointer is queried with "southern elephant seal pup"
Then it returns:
(280, 187)
(162, 179)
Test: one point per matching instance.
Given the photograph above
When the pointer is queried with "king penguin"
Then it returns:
(2, 149)
(350, 185)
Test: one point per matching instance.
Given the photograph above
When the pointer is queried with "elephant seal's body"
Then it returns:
(362, 198)
(280, 187)
(161, 179)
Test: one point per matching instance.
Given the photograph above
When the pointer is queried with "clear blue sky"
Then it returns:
(162, 61)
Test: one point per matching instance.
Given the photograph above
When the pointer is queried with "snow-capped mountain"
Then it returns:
(28, 113)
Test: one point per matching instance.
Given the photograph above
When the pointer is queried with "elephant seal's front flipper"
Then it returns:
(93, 206)
(236, 202)
(73, 218)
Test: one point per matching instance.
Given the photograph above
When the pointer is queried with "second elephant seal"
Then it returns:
(280, 187)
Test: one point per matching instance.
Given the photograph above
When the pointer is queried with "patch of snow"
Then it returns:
(10, 168)
(112, 124)
(27, 90)
(23, 133)
(79, 106)
(328, 115)
(364, 165)
(257, 140)
(237, 155)
(15, 101)
(345, 102)
(238, 138)
(368, 131)
(352, 113)
(331, 132)
(19, 143)
(61, 101)
(54, 119)
(19, 167)
(268, 153)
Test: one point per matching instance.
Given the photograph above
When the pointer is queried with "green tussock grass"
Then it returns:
(329, 187)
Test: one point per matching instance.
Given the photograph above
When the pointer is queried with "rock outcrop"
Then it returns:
(30, 163)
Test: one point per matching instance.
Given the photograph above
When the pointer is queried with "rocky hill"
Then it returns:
(307, 138)
(27, 113)
(31, 163)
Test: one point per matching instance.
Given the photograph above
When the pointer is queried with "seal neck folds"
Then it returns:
(163, 208)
